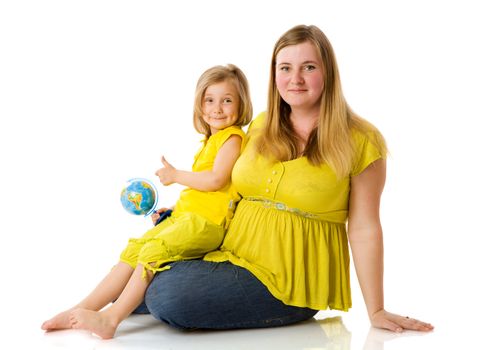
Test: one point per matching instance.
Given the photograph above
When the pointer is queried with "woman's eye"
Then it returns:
(227, 100)
(284, 68)
(310, 67)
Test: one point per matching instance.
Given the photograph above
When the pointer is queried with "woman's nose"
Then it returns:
(297, 77)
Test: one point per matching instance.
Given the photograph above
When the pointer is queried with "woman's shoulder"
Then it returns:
(257, 122)
(369, 146)
(368, 134)
(360, 136)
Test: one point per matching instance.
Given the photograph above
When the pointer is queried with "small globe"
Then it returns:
(139, 197)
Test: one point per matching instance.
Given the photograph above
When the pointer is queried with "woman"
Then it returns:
(311, 165)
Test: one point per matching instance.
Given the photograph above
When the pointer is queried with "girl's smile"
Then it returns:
(220, 105)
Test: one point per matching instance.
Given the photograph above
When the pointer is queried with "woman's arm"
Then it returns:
(209, 181)
(366, 240)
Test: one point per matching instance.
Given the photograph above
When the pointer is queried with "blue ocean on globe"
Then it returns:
(139, 197)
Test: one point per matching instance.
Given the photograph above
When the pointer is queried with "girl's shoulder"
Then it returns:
(230, 130)
(222, 135)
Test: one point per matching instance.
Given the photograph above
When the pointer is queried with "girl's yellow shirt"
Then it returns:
(289, 229)
(215, 206)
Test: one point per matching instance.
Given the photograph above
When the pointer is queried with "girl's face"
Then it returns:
(298, 76)
(220, 105)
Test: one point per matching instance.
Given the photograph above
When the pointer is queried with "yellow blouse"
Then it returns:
(215, 206)
(289, 229)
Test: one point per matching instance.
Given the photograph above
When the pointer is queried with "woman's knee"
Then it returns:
(167, 301)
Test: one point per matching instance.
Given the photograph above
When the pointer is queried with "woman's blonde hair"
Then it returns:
(219, 74)
(331, 142)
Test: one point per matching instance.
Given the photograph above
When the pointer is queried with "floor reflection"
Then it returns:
(144, 332)
(377, 337)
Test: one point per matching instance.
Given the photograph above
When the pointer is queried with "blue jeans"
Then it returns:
(199, 294)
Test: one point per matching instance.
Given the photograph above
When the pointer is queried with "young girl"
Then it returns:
(197, 224)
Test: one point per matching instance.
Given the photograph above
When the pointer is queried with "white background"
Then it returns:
(92, 93)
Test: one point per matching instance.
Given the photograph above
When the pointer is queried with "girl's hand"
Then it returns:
(397, 323)
(156, 214)
(166, 174)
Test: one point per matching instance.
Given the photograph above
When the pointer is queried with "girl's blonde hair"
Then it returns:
(219, 74)
(332, 141)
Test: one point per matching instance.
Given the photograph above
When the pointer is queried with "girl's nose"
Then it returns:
(217, 109)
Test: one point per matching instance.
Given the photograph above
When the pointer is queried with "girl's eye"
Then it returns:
(309, 67)
(227, 100)
(284, 68)
(208, 100)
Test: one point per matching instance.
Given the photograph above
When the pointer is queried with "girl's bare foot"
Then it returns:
(60, 321)
(93, 321)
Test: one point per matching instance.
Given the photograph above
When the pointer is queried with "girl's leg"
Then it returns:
(105, 322)
(104, 293)
(112, 285)
(207, 295)
(189, 236)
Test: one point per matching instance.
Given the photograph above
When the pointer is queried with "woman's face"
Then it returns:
(298, 76)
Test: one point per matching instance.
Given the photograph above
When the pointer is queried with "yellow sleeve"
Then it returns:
(226, 134)
(366, 151)
(257, 122)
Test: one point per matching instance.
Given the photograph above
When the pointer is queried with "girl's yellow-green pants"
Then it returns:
(179, 237)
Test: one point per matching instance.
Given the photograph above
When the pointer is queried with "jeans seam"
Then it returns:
(236, 270)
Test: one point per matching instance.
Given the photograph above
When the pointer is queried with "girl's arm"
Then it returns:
(366, 241)
(207, 181)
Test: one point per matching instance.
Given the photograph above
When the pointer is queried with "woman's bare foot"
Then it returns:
(93, 321)
(60, 321)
